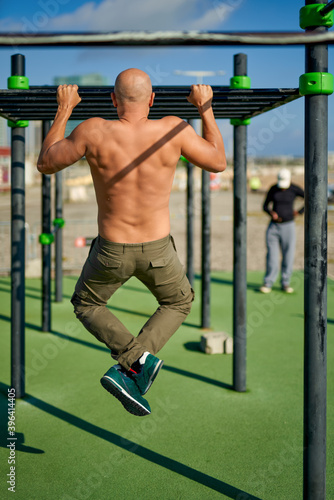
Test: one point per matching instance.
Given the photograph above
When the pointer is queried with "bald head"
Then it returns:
(133, 85)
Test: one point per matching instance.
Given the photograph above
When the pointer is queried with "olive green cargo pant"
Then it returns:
(108, 266)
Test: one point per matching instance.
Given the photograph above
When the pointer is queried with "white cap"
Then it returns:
(284, 178)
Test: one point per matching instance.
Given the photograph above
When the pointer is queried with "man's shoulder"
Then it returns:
(96, 123)
(173, 123)
(93, 122)
(172, 120)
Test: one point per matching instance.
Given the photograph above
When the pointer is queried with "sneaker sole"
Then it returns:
(129, 403)
(154, 374)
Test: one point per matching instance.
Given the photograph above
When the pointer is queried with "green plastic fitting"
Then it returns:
(310, 17)
(46, 238)
(18, 82)
(59, 222)
(240, 82)
(19, 123)
(316, 83)
(240, 121)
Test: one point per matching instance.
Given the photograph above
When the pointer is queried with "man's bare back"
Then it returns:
(133, 167)
(133, 159)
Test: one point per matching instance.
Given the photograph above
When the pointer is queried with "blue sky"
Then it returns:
(268, 67)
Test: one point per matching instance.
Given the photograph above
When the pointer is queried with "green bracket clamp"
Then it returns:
(59, 222)
(18, 82)
(240, 82)
(310, 16)
(240, 121)
(316, 83)
(19, 123)
(46, 238)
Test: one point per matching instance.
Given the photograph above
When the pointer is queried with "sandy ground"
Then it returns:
(81, 216)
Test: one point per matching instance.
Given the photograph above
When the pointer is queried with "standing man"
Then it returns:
(281, 232)
(133, 162)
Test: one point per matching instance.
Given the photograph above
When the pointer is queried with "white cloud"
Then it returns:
(120, 15)
(210, 19)
(113, 15)
(9, 25)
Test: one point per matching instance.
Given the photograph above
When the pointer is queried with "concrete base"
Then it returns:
(216, 343)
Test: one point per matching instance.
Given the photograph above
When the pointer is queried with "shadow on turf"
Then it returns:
(4, 436)
(196, 376)
(221, 281)
(31, 326)
(99, 347)
(136, 449)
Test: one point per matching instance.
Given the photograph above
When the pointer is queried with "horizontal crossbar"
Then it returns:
(165, 38)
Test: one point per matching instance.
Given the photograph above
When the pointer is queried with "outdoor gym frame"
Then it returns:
(239, 104)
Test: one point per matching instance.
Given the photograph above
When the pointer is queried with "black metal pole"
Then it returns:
(46, 249)
(190, 224)
(59, 239)
(206, 250)
(329, 7)
(315, 286)
(18, 246)
(190, 219)
(240, 244)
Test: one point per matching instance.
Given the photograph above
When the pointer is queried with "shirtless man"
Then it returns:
(133, 161)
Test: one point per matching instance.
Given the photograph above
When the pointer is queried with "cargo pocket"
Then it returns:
(160, 262)
(161, 270)
(108, 262)
(187, 292)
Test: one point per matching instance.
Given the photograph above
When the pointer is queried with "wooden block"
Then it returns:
(228, 345)
(213, 342)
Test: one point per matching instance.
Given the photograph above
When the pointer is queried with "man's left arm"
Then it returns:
(300, 193)
(58, 152)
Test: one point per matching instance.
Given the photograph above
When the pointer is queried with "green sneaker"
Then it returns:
(117, 382)
(144, 371)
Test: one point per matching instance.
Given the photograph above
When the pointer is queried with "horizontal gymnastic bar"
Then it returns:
(161, 92)
(164, 38)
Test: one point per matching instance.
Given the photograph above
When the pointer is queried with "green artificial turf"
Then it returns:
(202, 441)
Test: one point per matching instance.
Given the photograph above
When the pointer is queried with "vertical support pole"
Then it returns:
(206, 250)
(206, 244)
(190, 224)
(190, 219)
(315, 285)
(240, 244)
(59, 239)
(18, 246)
(46, 249)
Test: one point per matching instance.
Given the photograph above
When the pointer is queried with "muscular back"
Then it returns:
(133, 166)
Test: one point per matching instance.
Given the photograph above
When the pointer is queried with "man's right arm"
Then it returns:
(207, 152)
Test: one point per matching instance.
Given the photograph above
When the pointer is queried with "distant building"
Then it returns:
(33, 138)
(4, 167)
(90, 80)
(3, 132)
